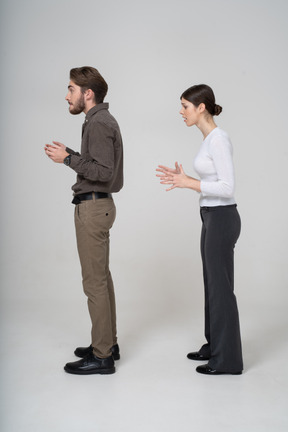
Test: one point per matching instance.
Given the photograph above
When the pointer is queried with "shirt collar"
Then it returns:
(96, 108)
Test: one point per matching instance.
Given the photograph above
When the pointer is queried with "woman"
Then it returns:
(220, 230)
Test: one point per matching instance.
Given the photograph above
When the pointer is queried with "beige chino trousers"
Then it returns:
(93, 220)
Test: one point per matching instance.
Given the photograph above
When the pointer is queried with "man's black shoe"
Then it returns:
(82, 352)
(91, 365)
(197, 356)
(115, 352)
(207, 370)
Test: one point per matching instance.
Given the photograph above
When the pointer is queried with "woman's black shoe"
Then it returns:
(197, 356)
(207, 370)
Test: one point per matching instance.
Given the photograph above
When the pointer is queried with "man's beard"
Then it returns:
(78, 107)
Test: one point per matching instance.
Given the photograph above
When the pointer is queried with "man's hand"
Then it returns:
(56, 152)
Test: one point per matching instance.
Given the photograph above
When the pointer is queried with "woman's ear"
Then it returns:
(201, 107)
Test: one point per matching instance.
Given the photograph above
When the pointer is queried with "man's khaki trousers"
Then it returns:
(93, 220)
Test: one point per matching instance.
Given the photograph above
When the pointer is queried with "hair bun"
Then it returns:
(217, 110)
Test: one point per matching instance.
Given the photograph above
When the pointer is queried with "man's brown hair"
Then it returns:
(88, 77)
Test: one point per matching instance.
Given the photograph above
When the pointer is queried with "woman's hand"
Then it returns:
(177, 178)
(164, 169)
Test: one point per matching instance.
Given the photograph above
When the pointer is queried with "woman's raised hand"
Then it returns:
(175, 177)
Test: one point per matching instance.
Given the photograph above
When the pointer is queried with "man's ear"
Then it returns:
(89, 94)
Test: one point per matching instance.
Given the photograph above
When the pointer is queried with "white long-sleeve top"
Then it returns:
(214, 165)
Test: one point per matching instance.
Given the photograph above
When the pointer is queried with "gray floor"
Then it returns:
(155, 388)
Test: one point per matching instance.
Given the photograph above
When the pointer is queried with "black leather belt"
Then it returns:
(89, 196)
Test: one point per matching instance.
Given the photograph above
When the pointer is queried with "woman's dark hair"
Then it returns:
(202, 93)
(88, 77)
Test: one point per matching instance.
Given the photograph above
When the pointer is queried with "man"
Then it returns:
(99, 169)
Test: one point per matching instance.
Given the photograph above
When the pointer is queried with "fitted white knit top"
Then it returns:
(214, 165)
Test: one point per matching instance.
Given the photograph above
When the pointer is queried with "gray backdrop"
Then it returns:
(149, 52)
